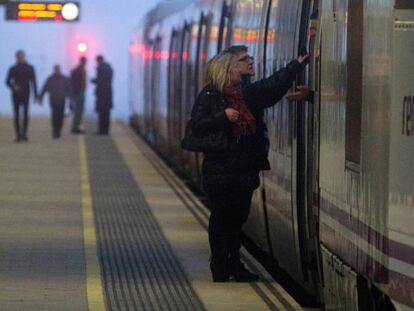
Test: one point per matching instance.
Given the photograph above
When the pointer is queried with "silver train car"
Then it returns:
(337, 209)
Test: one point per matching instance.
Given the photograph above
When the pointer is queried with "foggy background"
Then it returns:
(105, 26)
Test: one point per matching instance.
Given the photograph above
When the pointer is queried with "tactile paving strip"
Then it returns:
(140, 270)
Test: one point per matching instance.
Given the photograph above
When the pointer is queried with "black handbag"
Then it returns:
(213, 142)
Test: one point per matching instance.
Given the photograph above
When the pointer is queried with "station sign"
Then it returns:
(25, 11)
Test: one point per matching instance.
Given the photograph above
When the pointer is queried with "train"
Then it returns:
(336, 211)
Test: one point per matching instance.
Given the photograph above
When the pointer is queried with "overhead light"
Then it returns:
(70, 11)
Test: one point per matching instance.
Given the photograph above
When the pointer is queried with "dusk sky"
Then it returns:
(105, 25)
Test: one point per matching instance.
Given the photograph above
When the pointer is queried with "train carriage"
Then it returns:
(336, 210)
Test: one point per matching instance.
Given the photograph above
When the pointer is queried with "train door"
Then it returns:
(202, 48)
(225, 29)
(278, 183)
(307, 149)
(155, 92)
(203, 40)
(174, 97)
(187, 73)
(147, 90)
(248, 27)
(287, 186)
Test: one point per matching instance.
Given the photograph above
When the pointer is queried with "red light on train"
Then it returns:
(185, 55)
(136, 48)
(148, 54)
(175, 55)
(165, 55)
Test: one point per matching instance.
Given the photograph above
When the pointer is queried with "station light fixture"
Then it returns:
(82, 47)
(68, 11)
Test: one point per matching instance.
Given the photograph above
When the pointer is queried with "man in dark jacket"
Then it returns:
(58, 87)
(103, 94)
(78, 87)
(19, 79)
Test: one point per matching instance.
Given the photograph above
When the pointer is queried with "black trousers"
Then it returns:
(21, 129)
(228, 214)
(104, 116)
(58, 110)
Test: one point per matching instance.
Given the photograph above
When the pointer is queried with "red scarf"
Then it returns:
(235, 97)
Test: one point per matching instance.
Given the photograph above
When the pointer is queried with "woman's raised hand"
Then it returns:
(303, 58)
(232, 114)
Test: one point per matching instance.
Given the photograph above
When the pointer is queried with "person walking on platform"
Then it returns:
(58, 87)
(103, 92)
(78, 88)
(19, 79)
(229, 108)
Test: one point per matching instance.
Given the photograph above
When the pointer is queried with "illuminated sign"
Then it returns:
(43, 11)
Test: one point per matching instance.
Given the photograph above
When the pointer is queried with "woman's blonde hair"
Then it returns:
(218, 69)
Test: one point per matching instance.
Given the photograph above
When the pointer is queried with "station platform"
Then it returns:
(92, 222)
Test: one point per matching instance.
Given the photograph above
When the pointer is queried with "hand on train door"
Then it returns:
(303, 59)
(302, 93)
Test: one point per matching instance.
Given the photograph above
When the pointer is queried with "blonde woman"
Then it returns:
(230, 176)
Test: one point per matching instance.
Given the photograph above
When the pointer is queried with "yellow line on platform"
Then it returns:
(93, 269)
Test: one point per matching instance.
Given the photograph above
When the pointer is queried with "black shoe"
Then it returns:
(240, 273)
(24, 138)
(219, 270)
(17, 140)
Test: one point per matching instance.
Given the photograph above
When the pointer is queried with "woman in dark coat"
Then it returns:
(230, 176)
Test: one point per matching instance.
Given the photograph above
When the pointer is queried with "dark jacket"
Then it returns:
(78, 80)
(248, 155)
(58, 87)
(103, 89)
(21, 75)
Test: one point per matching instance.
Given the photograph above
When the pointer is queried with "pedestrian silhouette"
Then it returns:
(58, 87)
(103, 92)
(78, 87)
(19, 79)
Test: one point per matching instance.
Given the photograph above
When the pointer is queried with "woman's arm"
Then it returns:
(204, 119)
(267, 92)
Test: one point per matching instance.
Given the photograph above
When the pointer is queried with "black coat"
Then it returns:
(103, 89)
(21, 75)
(249, 156)
(58, 87)
(78, 81)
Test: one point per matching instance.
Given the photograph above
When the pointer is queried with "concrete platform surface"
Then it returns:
(95, 222)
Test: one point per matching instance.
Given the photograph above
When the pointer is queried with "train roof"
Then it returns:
(164, 9)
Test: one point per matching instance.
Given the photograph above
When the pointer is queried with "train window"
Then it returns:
(404, 4)
(246, 26)
(354, 83)
(224, 35)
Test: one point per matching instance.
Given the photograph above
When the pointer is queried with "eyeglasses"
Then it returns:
(246, 59)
